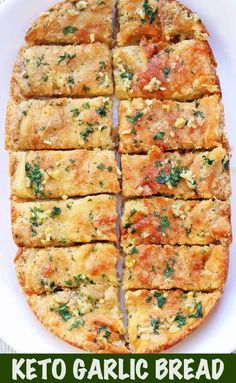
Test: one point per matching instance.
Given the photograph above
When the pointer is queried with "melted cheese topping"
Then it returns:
(52, 174)
(59, 124)
(181, 72)
(154, 221)
(71, 71)
(44, 270)
(159, 319)
(156, 125)
(167, 267)
(73, 22)
(165, 20)
(60, 223)
(88, 317)
(188, 176)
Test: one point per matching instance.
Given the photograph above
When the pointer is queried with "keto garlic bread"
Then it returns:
(188, 176)
(62, 123)
(64, 223)
(44, 270)
(171, 125)
(74, 22)
(69, 71)
(162, 20)
(201, 268)
(160, 220)
(54, 174)
(182, 72)
(88, 317)
(158, 320)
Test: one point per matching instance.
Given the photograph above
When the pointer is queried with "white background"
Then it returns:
(18, 326)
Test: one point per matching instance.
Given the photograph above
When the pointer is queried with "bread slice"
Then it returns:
(169, 267)
(74, 22)
(159, 220)
(63, 123)
(182, 72)
(162, 20)
(159, 319)
(54, 174)
(69, 71)
(171, 125)
(64, 222)
(188, 176)
(44, 270)
(88, 317)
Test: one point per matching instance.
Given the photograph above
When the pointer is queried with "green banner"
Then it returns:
(117, 368)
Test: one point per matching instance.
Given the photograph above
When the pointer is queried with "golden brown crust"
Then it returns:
(69, 71)
(74, 22)
(44, 270)
(188, 176)
(59, 124)
(54, 174)
(185, 267)
(88, 317)
(160, 319)
(159, 220)
(165, 20)
(63, 223)
(181, 72)
(171, 125)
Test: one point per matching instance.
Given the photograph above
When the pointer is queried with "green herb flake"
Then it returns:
(198, 113)
(134, 250)
(168, 271)
(159, 136)
(85, 133)
(166, 72)
(155, 323)
(136, 118)
(34, 174)
(77, 324)
(127, 75)
(75, 112)
(161, 300)
(180, 319)
(101, 167)
(198, 313)
(69, 29)
(63, 311)
(55, 211)
(165, 224)
(207, 161)
(150, 13)
(102, 111)
(82, 278)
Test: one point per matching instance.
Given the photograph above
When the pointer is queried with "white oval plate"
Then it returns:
(18, 326)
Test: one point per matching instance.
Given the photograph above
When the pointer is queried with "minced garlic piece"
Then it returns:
(154, 84)
(188, 176)
(180, 122)
(81, 5)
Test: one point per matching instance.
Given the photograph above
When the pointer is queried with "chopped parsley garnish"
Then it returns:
(207, 161)
(128, 224)
(82, 278)
(155, 323)
(36, 220)
(168, 271)
(134, 250)
(63, 311)
(164, 224)
(127, 75)
(166, 71)
(69, 29)
(198, 313)
(159, 136)
(71, 80)
(75, 112)
(35, 176)
(150, 13)
(86, 105)
(173, 177)
(180, 319)
(198, 113)
(77, 324)
(55, 211)
(101, 167)
(45, 78)
(107, 333)
(135, 119)
(66, 57)
(85, 133)
(110, 169)
(161, 300)
(102, 111)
